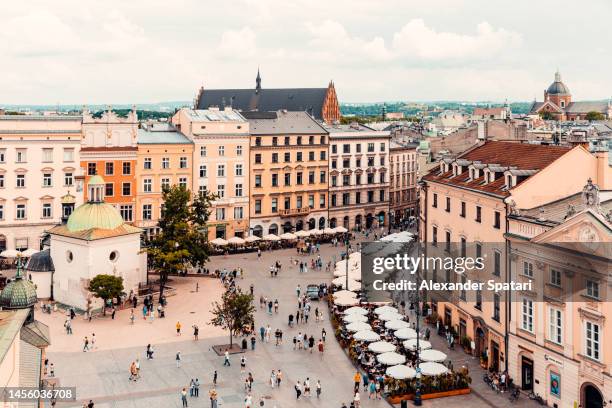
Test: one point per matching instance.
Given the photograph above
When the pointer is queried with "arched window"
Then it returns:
(273, 229)
(258, 231)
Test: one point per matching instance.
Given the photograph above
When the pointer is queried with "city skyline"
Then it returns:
(75, 53)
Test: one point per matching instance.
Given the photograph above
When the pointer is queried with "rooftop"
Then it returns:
(162, 135)
(283, 122)
(11, 323)
(214, 115)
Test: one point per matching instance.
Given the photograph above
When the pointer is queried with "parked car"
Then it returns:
(312, 291)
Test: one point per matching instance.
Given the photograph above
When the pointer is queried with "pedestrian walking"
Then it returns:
(184, 397)
(178, 328)
(212, 395)
(51, 370)
(85, 344)
(242, 364)
(196, 331)
(253, 341)
(215, 378)
(196, 388)
(226, 361)
(298, 390)
(279, 377)
(318, 388)
(93, 341)
(178, 359)
(356, 381)
(323, 334)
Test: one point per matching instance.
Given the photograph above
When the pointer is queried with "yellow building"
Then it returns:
(165, 158)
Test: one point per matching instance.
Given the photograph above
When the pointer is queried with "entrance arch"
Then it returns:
(345, 221)
(312, 224)
(321, 222)
(332, 223)
(358, 221)
(258, 231)
(381, 218)
(299, 225)
(273, 229)
(2, 243)
(369, 220)
(590, 396)
(287, 227)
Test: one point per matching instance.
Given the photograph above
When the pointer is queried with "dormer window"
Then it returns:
(509, 181)
(562, 103)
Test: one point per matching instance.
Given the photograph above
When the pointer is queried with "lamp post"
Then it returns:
(346, 244)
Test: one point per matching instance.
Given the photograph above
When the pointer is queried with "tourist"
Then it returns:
(357, 400)
(184, 397)
(242, 364)
(248, 401)
(307, 387)
(262, 333)
(366, 380)
(272, 379)
(93, 341)
(178, 328)
(178, 359)
(212, 394)
(298, 390)
(357, 380)
(149, 352)
(275, 305)
(196, 388)
(253, 341)
(85, 344)
(298, 290)
(318, 388)
(226, 361)
(323, 334)
(196, 331)
(321, 347)
(279, 377)
(192, 387)
(372, 390)
(132, 317)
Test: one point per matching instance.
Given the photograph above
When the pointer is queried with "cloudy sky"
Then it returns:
(138, 51)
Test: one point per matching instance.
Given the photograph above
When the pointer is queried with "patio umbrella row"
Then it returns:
(403, 372)
(13, 253)
(271, 237)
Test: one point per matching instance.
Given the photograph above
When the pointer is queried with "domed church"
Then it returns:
(95, 240)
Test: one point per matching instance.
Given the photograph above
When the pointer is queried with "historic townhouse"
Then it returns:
(358, 176)
(288, 170)
(109, 149)
(221, 166)
(165, 158)
(403, 165)
(39, 165)
(464, 211)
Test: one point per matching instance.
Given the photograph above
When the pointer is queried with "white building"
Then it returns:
(39, 164)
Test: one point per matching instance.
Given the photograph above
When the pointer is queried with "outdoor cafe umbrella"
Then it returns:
(340, 230)
(385, 309)
(344, 293)
(435, 356)
(410, 344)
(288, 236)
(10, 253)
(366, 335)
(358, 326)
(356, 310)
(219, 242)
(352, 283)
(405, 333)
(302, 234)
(352, 318)
(252, 238)
(381, 347)
(400, 372)
(236, 241)
(29, 252)
(391, 358)
(396, 324)
(390, 316)
(328, 231)
(271, 237)
(315, 232)
(345, 301)
(430, 368)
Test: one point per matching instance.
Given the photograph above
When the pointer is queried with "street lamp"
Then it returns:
(346, 244)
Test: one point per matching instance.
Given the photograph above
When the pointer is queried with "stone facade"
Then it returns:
(403, 200)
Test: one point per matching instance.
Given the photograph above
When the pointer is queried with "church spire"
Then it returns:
(258, 81)
(557, 76)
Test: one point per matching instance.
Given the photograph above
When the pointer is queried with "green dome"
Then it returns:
(18, 294)
(94, 215)
(95, 179)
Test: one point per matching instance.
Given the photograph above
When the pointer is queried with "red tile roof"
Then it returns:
(521, 156)
(488, 111)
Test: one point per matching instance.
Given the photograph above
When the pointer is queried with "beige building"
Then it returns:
(289, 169)
(403, 165)
(165, 158)
(358, 176)
(221, 166)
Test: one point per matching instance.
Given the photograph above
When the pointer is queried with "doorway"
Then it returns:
(526, 374)
(592, 398)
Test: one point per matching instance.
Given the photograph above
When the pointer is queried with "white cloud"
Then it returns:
(238, 43)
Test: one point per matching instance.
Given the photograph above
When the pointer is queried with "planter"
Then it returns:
(398, 398)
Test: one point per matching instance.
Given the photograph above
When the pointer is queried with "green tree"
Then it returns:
(546, 115)
(594, 115)
(106, 287)
(235, 313)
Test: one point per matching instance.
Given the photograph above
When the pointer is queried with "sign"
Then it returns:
(553, 360)
(555, 384)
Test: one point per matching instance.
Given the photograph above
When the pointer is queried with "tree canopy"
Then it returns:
(106, 287)
(594, 115)
(234, 313)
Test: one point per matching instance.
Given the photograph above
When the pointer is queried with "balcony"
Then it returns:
(294, 212)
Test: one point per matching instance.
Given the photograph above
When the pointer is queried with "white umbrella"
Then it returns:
(10, 253)
(385, 309)
(405, 334)
(381, 347)
(396, 324)
(29, 252)
(328, 231)
(391, 358)
(430, 368)
(252, 238)
(219, 242)
(302, 234)
(410, 344)
(354, 274)
(340, 229)
(288, 236)
(390, 316)
(345, 301)
(435, 356)
(316, 232)
(344, 293)
(271, 237)
(236, 241)
(352, 283)
(355, 255)
(366, 335)
(358, 326)
(352, 318)
(401, 372)
(356, 310)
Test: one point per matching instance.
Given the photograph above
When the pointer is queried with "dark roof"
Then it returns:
(587, 106)
(558, 88)
(309, 100)
(40, 262)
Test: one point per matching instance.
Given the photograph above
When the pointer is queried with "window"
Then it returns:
(46, 210)
(47, 155)
(334, 149)
(257, 206)
(346, 198)
(310, 140)
(299, 140)
(68, 154)
(346, 179)
(299, 202)
(202, 171)
(20, 180)
(21, 156)
(275, 141)
(238, 190)
(434, 204)
(311, 156)
(592, 289)
(311, 177)
(183, 182)
(346, 148)
(382, 161)
(555, 326)
(221, 150)
(183, 162)
(370, 178)
(109, 168)
(238, 213)
(238, 170)
(147, 186)
(258, 141)
(322, 201)
(127, 212)
(527, 315)
(463, 247)
(370, 196)
(1, 212)
(239, 153)
(370, 161)
(21, 212)
(478, 213)
(381, 195)
(258, 158)
(202, 190)
(358, 197)
(346, 163)
(287, 203)
(497, 222)
(287, 179)
(462, 294)
(333, 200)
(126, 189)
(202, 151)
(165, 162)
(592, 342)
(47, 180)
(275, 205)
(478, 250)
(334, 181)
(287, 157)
(322, 155)
(311, 201)
(357, 179)
(2, 155)
(434, 236)
(274, 180)
(1, 180)
(496, 299)
(287, 140)
(322, 177)
(221, 170)
(370, 147)
(462, 213)
(528, 269)
(91, 169)
(298, 178)
(165, 182)
(298, 156)
(382, 147)
(358, 147)
(258, 180)
(147, 210)
(496, 263)
(447, 241)
(147, 163)
(220, 214)
(127, 168)
(478, 303)
(555, 277)
(322, 141)
(221, 190)
(109, 189)
(274, 157)
(448, 204)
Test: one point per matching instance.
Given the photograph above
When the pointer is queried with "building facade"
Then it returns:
(403, 166)
(221, 166)
(165, 158)
(289, 171)
(39, 165)
(358, 176)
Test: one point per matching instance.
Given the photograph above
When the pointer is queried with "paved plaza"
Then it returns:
(102, 374)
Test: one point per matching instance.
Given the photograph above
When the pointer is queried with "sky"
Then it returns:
(147, 51)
